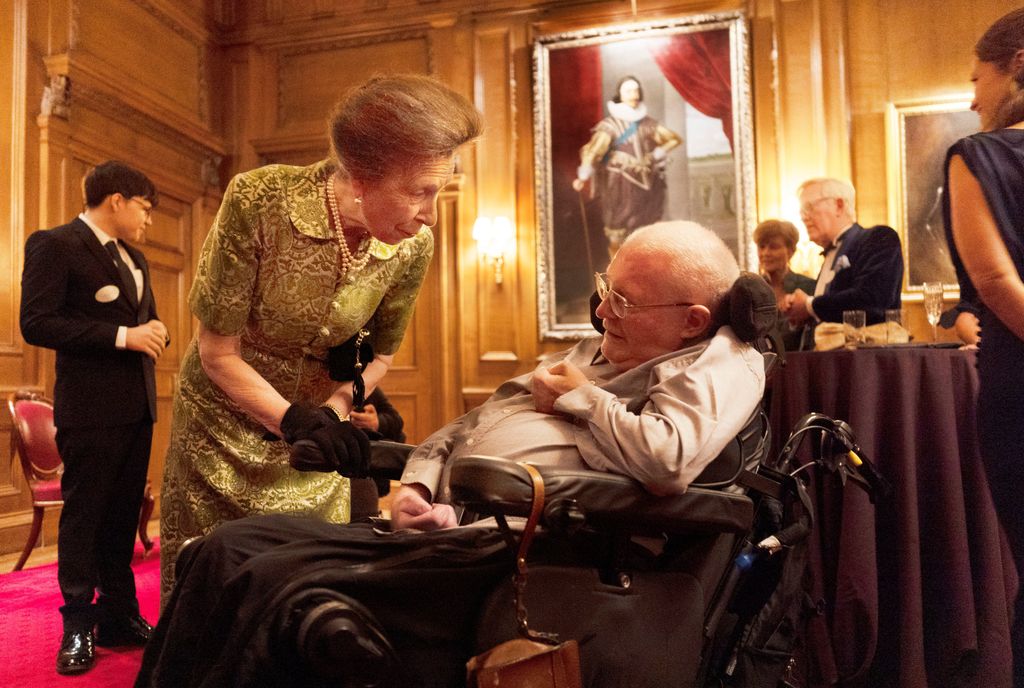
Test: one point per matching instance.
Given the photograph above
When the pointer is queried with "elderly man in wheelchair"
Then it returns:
(640, 525)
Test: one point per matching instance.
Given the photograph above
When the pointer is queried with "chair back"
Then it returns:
(33, 435)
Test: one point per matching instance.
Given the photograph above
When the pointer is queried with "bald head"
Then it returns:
(673, 276)
(690, 260)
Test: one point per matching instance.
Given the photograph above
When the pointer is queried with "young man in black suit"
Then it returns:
(87, 294)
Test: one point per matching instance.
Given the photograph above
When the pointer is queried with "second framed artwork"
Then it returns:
(632, 125)
(919, 133)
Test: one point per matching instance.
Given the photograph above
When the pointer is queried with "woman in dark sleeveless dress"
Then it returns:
(985, 226)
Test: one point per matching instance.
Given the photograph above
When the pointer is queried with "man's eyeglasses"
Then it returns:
(808, 207)
(618, 304)
(146, 206)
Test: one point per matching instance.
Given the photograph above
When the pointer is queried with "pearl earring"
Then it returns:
(359, 200)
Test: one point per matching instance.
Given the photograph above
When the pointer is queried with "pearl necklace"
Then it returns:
(348, 262)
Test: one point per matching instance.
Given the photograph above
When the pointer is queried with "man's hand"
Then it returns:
(551, 383)
(796, 308)
(150, 339)
(578, 184)
(410, 509)
(365, 419)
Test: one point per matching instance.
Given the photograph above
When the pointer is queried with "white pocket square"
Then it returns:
(108, 293)
(841, 262)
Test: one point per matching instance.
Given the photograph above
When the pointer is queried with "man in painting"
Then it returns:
(863, 268)
(627, 152)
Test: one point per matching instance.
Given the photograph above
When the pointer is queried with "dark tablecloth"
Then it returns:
(917, 590)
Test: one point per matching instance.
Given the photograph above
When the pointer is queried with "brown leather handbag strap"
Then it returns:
(536, 509)
(519, 578)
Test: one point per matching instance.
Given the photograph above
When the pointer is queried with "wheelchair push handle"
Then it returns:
(879, 485)
(387, 459)
(852, 461)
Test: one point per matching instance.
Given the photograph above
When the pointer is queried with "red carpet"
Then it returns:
(30, 629)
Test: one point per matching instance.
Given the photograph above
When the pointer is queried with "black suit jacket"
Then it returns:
(870, 277)
(63, 308)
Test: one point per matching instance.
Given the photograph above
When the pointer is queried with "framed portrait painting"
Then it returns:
(633, 125)
(919, 134)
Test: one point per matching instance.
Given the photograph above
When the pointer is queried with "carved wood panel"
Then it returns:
(311, 78)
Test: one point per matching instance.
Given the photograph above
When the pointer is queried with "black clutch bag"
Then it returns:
(347, 362)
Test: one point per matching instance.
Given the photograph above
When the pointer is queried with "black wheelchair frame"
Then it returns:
(698, 589)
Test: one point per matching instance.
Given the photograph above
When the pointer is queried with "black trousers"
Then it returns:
(102, 486)
(237, 586)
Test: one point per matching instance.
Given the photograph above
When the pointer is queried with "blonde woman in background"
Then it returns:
(776, 243)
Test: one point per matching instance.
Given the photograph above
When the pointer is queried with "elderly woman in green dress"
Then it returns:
(299, 260)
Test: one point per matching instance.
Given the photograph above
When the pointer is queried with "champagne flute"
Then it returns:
(933, 305)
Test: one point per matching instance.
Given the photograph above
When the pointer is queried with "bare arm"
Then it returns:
(982, 248)
(222, 360)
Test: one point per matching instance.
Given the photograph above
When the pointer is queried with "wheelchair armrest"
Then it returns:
(490, 486)
(387, 459)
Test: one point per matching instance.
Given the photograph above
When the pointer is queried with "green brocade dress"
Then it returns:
(269, 274)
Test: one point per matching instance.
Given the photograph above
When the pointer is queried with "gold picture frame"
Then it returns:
(694, 74)
(918, 134)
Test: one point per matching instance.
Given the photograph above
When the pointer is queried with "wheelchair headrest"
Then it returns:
(749, 307)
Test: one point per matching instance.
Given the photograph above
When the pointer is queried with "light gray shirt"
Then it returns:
(660, 423)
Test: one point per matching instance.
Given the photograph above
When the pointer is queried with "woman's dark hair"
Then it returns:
(113, 176)
(999, 45)
(399, 121)
(617, 98)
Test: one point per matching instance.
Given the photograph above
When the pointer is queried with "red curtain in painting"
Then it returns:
(697, 66)
(576, 104)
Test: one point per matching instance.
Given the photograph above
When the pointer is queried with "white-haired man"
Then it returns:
(863, 268)
(656, 398)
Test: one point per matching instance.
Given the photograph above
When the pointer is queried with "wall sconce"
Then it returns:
(495, 239)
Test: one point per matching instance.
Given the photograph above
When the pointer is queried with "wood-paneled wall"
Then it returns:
(193, 91)
(90, 81)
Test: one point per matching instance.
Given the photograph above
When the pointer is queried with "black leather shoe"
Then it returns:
(77, 652)
(130, 630)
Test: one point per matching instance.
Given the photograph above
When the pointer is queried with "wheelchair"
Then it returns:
(699, 589)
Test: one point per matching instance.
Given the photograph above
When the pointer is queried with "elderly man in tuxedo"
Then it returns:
(863, 268)
(87, 294)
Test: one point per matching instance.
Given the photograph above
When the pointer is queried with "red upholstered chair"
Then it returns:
(33, 440)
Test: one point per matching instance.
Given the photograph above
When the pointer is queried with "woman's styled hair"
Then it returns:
(999, 45)
(113, 176)
(399, 121)
(770, 229)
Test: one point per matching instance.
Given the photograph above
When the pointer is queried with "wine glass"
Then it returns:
(933, 305)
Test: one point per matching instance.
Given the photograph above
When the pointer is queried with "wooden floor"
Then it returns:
(41, 556)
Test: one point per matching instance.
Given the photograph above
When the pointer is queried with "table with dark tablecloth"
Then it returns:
(916, 591)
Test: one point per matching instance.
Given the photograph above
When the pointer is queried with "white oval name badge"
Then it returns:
(108, 293)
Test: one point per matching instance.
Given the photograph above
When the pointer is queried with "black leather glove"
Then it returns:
(300, 420)
(340, 447)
